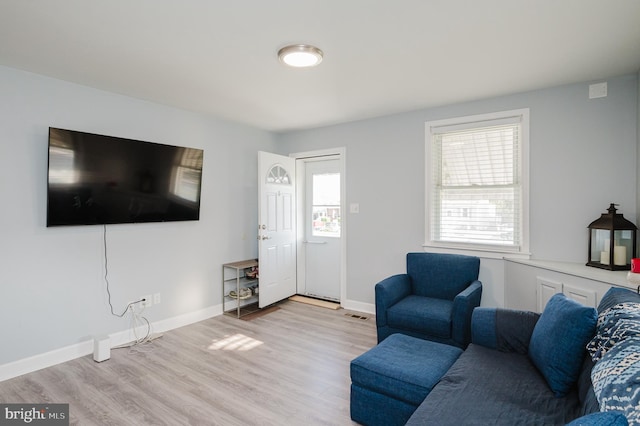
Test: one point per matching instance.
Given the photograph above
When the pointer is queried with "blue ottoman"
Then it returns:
(391, 380)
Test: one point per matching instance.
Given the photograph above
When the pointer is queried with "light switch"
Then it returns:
(354, 208)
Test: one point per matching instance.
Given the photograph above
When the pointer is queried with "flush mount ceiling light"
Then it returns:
(300, 55)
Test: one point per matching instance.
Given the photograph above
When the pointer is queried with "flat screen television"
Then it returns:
(96, 179)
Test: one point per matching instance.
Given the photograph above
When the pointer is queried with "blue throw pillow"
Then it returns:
(557, 345)
(611, 418)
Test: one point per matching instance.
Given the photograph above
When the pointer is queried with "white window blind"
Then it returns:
(476, 185)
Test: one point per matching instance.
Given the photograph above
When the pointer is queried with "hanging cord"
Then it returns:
(137, 320)
(140, 344)
(106, 277)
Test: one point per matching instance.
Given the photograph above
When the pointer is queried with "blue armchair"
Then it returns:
(434, 300)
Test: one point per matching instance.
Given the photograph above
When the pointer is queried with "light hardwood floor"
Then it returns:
(289, 367)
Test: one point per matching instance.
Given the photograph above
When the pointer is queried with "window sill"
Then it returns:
(476, 251)
(580, 270)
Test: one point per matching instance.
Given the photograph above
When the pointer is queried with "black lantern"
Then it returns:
(612, 241)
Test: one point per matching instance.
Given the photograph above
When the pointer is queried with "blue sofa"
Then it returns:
(569, 365)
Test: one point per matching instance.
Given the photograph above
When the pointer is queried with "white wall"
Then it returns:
(582, 157)
(53, 294)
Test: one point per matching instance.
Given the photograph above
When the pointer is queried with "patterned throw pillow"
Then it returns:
(616, 379)
(614, 325)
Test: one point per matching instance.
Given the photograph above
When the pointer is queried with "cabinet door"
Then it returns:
(582, 295)
(546, 289)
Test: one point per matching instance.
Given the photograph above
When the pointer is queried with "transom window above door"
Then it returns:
(277, 174)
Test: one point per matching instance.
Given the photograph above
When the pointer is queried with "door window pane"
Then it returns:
(279, 175)
(326, 205)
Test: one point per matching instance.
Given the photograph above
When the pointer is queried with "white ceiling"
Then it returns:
(381, 57)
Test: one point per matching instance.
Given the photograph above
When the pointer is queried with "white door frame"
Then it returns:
(340, 154)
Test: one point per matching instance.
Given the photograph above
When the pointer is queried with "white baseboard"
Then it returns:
(128, 336)
(40, 361)
(354, 305)
(68, 353)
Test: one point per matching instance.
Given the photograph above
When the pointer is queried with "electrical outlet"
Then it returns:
(148, 301)
(156, 299)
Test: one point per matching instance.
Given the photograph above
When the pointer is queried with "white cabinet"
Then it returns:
(240, 291)
(583, 295)
(529, 284)
(545, 289)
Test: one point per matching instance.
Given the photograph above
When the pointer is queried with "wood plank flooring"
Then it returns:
(290, 367)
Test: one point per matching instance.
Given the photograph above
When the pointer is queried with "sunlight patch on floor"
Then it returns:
(234, 342)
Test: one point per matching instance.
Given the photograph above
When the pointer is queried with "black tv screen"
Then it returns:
(95, 179)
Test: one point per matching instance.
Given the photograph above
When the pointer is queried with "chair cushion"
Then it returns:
(440, 275)
(403, 367)
(423, 314)
(558, 342)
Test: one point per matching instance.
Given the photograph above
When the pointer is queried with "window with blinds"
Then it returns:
(477, 182)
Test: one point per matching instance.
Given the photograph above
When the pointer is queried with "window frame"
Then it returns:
(337, 206)
(480, 121)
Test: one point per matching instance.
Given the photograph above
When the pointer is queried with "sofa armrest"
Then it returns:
(506, 330)
(463, 305)
(389, 292)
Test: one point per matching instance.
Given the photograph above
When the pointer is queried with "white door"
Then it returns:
(322, 229)
(277, 227)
